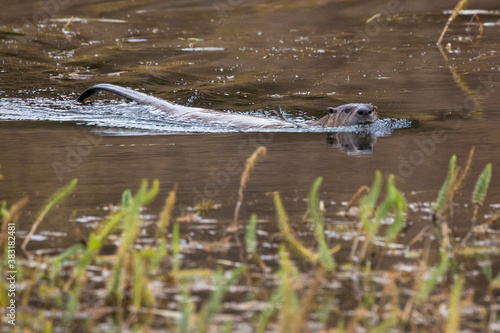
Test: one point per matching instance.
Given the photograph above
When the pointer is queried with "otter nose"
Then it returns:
(364, 112)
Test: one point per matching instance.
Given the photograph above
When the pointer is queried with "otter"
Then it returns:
(348, 114)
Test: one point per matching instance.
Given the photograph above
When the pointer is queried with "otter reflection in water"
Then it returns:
(353, 143)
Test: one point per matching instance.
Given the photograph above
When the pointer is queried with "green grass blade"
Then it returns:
(54, 200)
(152, 193)
(431, 282)
(57, 198)
(484, 262)
(367, 203)
(384, 326)
(375, 189)
(453, 324)
(284, 226)
(289, 301)
(251, 235)
(316, 216)
(186, 311)
(324, 310)
(317, 221)
(72, 306)
(268, 312)
(139, 279)
(60, 259)
(482, 184)
(209, 311)
(227, 328)
(221, 287)
(126, 198)
(161, 228)
(131, 228)
(400, 207)
(446, 189)
(176, 249)
(158, 254)
(4, 212)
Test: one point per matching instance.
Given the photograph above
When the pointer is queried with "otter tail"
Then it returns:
(129, 94)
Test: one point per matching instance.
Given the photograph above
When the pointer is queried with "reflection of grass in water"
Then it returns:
(469, 92)
(459, 80)
(129, 293)
(294, 4)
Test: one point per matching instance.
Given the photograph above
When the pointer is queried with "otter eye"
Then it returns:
(347, 110)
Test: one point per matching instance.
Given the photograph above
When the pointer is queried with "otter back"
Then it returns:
(189, 113)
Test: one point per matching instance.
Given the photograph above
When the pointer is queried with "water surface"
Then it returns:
(288, 59)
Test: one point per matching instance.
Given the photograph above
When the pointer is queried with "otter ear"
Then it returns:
(331, 110)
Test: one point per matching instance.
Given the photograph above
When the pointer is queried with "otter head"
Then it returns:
(351, 114)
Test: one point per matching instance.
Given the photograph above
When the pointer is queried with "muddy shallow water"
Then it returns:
(287, 59)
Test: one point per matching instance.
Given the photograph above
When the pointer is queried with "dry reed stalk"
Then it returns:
(419, 280)
(31, 283)
(445, 234)
(308, 301)
(166, 213)
(355, 197)
(12, 216)
(359, 314)
(460, 5)
(68, 23)
(481, 28)
(419, 235)
(461, 180)
(257, 155)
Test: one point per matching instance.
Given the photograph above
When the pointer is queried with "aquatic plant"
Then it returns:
(480, 190)
(324, 255)
(54, 200)
(371, 217)
(294, 244)
(208, 312)
(287, 294)
(453, 323)
(257, 155)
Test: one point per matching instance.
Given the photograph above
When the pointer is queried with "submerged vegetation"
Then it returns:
(309, 281)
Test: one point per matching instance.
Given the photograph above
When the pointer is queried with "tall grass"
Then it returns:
(155, 285)
(54, 200)
(371, 216)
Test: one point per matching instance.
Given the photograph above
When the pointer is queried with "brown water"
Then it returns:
(274, 58)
